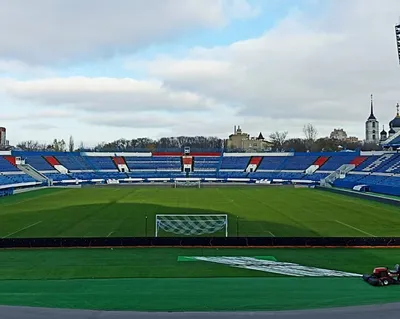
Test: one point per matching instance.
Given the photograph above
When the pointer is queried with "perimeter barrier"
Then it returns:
(200, 242)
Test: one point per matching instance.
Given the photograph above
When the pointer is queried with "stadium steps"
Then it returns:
(32, 172)
(339, 173)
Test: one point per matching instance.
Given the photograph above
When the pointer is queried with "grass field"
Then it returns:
(119, 212)
(155, 279)
(152, 279)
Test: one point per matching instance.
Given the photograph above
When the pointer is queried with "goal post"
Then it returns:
(191, 225)
(192, 184)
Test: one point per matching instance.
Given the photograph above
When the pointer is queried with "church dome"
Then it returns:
(395, 123)
(383, 132)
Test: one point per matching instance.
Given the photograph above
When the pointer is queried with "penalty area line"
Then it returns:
(110, 234)
(355, 228)
(22, 229)
(271, 233)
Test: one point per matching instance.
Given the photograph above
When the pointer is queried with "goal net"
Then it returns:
(192, 225)
(195, 184)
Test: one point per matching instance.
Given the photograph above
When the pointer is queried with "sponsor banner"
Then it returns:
(268, 264)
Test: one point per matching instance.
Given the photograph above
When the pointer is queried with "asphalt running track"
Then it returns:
(387, 311)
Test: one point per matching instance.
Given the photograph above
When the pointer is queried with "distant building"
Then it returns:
(3, 140)
(394, 129)
(372, 127)
(338, 134)
(352, 139)
(242, 141)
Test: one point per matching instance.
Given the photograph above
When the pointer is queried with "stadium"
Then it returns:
(193, 226)
(197, 224)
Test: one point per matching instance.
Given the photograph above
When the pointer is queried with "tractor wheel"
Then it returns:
(385, 282)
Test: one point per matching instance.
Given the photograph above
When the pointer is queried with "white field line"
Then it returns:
(271, 234)
(20, 230)
(355, 228)
(110, 234)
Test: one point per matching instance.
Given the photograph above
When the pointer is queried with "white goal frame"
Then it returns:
(187, 184)
(191, 215)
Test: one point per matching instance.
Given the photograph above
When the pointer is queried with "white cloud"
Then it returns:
(21, 68)
(319, 70)
(39, 126)
(43, 31)
(109, 95)
(36, 114)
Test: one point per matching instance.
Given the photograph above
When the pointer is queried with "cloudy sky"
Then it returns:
(106, 69)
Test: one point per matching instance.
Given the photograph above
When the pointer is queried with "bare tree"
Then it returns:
(71, 145)
(310, 132)
(31, 146)
(278, 139)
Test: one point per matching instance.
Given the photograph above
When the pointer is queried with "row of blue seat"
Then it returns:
(300, 162)
(6, 166)
(15, 179)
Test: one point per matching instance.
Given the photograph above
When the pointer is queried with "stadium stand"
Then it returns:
(74, 162)
(6, 166)
(379, 171)
(234, 163)
(206, 163)
(334, 162)
(154, 163)
(101, 163)
(298, 163)
(39, 163)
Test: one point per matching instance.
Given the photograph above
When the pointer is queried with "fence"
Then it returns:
(299, 242)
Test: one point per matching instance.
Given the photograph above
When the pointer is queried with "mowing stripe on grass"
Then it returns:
(110, 234)
(37, 197)
(355, 228)
(22, 229)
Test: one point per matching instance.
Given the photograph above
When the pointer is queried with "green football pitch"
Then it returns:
(153, 279)
(252, 211)
(161, 279)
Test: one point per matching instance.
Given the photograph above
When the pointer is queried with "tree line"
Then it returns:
(279, 141)
(126, 145)
(312, 143)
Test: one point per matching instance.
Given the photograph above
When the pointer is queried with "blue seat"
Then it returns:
(101, 162)
(334, 162)
(235, 162)
(154, 163)
(272, 163)
(38, 162)
(205, 163)
(6, 166)
(298, 162)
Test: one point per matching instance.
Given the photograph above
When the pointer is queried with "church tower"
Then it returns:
(372, 126)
